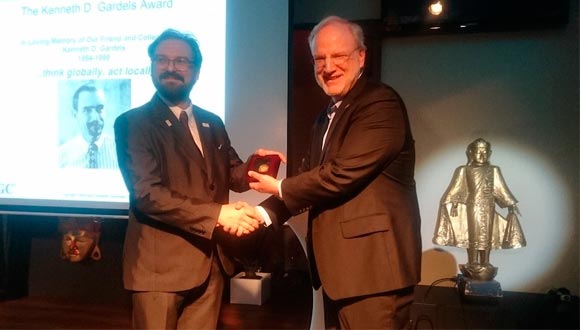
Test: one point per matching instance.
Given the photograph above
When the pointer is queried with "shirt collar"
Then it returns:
(177, 109)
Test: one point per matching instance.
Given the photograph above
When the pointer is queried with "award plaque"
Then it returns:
(268, 165)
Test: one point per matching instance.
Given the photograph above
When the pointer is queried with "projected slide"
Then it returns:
(69, 68)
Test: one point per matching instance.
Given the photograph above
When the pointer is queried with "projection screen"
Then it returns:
(52, 48)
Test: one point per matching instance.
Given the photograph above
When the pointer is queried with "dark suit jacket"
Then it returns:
(364, 224)
(175, 196)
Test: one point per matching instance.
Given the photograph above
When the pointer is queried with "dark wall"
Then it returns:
(31, 263)
(33, 266)
(520, 91)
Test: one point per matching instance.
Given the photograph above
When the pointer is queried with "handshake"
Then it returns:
(239, 218)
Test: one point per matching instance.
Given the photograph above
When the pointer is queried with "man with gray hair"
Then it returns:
(364, 239)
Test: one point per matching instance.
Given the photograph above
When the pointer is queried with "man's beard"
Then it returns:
(172, 93)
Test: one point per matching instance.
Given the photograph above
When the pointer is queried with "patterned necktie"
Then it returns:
(92, 155)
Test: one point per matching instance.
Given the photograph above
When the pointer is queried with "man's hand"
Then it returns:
(264, 183)
(239, 218)
(251, 211)
(265, 152)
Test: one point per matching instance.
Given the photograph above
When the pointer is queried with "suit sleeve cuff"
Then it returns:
(265, 216)
(280, 188)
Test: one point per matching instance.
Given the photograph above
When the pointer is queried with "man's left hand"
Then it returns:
(264, 184)
(265, 152)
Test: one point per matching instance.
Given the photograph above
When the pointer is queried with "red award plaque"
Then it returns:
(268, 165)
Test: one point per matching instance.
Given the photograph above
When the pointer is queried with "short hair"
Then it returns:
(89, 87)
(189, 39)
(355, 29)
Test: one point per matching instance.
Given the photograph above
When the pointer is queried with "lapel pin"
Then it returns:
(205, 124)
(168, 122)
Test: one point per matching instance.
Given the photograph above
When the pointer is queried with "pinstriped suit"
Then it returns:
(175, 196)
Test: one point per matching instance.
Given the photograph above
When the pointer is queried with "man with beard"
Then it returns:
(179, 166)
(92, 148)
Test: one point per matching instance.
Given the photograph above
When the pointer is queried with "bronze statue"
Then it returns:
(80, 238)
(468, 218)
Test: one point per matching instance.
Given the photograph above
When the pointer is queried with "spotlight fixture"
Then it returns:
(436, 8)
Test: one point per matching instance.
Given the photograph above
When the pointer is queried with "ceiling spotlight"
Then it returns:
(436, 8)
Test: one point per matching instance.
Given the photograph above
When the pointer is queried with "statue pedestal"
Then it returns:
(479, 291)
